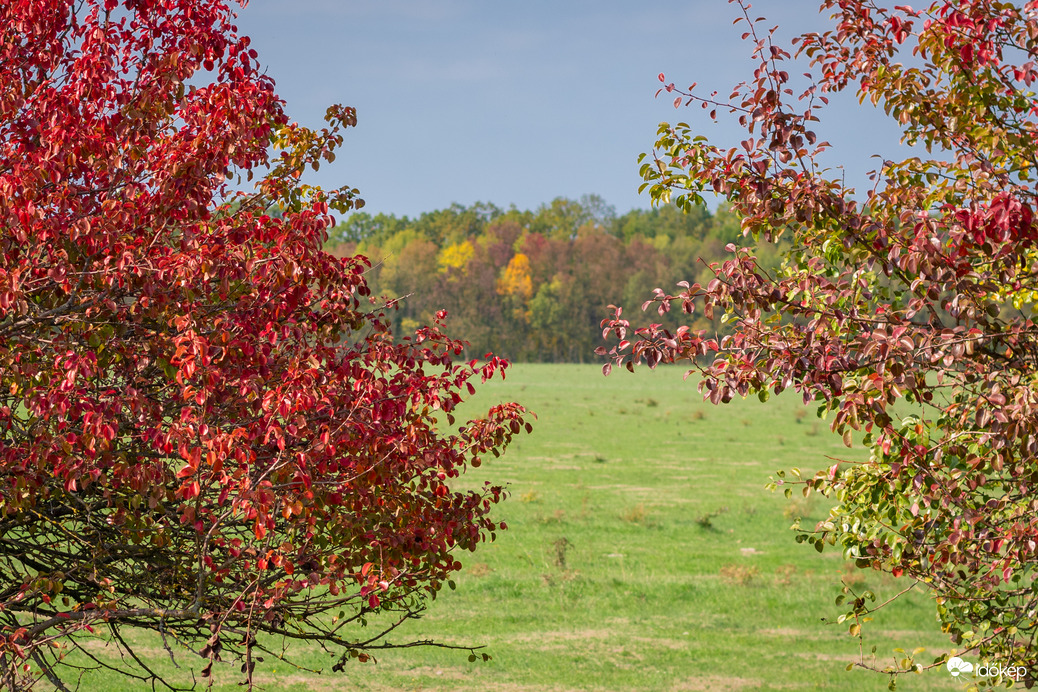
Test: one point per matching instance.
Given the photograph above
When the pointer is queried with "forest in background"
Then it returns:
(535, 285)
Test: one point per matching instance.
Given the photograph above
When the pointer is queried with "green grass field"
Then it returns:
(643, 553)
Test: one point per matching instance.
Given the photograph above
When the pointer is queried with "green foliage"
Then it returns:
(362, 227)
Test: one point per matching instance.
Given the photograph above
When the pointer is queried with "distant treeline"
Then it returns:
(534, 285)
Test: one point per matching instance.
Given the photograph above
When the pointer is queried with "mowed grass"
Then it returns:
(642, 553)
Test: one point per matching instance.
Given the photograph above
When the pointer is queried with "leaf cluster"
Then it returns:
(207, 429)
(906, 314)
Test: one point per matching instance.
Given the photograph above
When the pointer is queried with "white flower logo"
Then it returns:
(956, 666)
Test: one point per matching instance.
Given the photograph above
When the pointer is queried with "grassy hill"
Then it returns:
(643, 553)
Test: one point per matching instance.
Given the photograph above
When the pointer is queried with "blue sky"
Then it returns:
(519, 103)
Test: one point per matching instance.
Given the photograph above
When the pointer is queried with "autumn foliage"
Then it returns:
(206, 427)
(531, 285)
(905, 311)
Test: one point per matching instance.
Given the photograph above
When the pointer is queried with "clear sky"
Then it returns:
(520, 102)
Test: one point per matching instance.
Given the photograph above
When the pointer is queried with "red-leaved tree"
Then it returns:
(206, 428)
(906, 312)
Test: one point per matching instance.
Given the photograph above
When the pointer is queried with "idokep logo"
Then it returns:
(957, 666)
